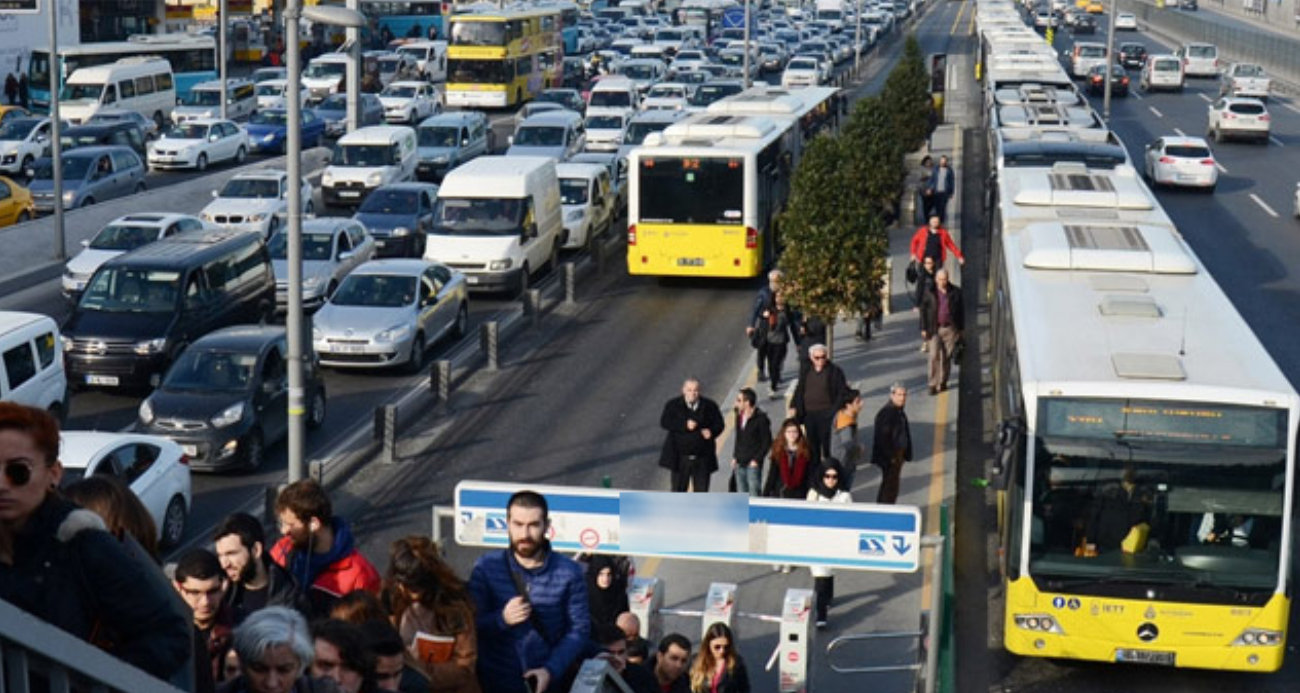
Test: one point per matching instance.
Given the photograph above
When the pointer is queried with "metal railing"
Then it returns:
(35, 655)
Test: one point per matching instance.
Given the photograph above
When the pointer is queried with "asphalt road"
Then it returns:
(1246, 236)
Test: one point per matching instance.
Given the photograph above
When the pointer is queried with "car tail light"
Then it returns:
(1266, 117)
(1207, 162)
(185, 459)
(751, 237)
(1229, 115)
(1166, 160)
(1123, 80)
(631, 234)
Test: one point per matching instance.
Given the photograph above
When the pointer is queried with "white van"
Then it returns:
(1199, 59)
(368, 158)
(141, 84)
(498, 220)
(31, 363)
(1162, 72)
(431, 56)
(615, 93)
(204, 101)
(325, 72)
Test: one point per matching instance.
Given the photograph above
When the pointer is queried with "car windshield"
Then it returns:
(217, 371)
(1247, 108)
(802, 64)
(573, 191)
(708, 93)
(315, 246)
(610, 99)
(401, 91)
(252, 188)
(268, 89)
(1202, 51)
(1248, 71)
(384, 201)
(74, 92)
(187, 131)
(663, 91)
(1167, 66)
(276, 118)
(77, 140)
(375, 290)
(1187, 151)
(637, 132)
(439, 136)
(74, 168)
(17, 128)
(690, 55)
(323, 70)
(388, 65)
(539, 136)
(132, 290)
(563, 98)
(640, 71)
(605, 122)
(478, 216)
(123, 237)
(102, 118)
(362, 155)
(201, 97)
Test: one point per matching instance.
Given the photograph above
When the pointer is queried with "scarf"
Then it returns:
(830, 464)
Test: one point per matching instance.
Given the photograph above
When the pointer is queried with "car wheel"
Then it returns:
(22, 217)
(254, 451)
(201, 163)
(461, 326)
(27, 163)
(240, 155)
(415, 363)
(88, 202)
(139, 187)
(316, 412)
(173, 523)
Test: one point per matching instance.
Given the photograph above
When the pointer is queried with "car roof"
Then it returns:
(453, 117)
(150, 218)
(326, 224)
(216, 83)
(209, 121)
(100, 127)
(13, 319)
(560, 117)
(184, 250)
(260, 173)
(409, 83)
(96, 150)
(76, 448)
(579, 170)
(409, 185)
(240, 337)
(400, 266)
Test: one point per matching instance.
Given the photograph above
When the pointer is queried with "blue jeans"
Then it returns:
(747, 479)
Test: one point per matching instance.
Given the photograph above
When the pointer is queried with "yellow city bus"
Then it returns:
(500, 58)
(705, 193)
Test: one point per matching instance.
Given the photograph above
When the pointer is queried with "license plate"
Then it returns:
(101, 380)
(349, 193)
(472, 279)
(690, 262)
(380, 243)
(1145, 657)
(190, 450)
(347, 348)
(1182, 176)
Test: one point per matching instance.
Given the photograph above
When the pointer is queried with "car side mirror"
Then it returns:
(464, 142)
(85, 243)
(510, 139)
(215, 194)
(345, 255)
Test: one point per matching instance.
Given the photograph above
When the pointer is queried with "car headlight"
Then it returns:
(401, 231)
(69, 195)
(269, 138)
(256, 217)
(441, 159)
(317, 335)
(67, 342)
(146, 412)
(312, 285)
(205, 216)
(151, 346)
(375, 179)
(327, 178)
(12, 152)
(231, 415)
(498, 265)
(394, 334)
(573, 215)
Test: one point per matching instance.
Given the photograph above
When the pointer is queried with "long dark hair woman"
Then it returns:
(787, 476)
(429, 604)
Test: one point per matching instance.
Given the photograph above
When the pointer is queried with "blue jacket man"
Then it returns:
(941, 185)
(531, 605)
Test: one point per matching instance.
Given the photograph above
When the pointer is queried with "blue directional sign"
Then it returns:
(734, 18)
(715, 527)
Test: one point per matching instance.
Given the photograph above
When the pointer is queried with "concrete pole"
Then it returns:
(222, 56)
(294, 319)
(857, 35)
(353, 75)
(745, 65)
(1110, 60)
(56, 132)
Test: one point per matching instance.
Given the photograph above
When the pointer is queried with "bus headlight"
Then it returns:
(1258, 637)
(1041, 623)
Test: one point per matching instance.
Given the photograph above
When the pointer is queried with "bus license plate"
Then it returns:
(101, 380)
(690, 262)
(1145, 657)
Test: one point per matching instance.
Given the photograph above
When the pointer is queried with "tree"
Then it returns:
(835, 248)
(907, 94)
(874, 156)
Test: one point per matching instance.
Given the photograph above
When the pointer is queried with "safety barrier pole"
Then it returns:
(440, 381)
(386, 432)
(533, 306)
(570, 278)
(487, 341)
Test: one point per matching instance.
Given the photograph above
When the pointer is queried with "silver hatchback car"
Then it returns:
(388, 312)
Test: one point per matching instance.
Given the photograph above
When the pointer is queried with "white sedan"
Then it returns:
(154, 468)
(199, 142)
(271, 94)
(410, 101)
(1126, 21)
(1181, 161)
(255, 201)
(666, 96)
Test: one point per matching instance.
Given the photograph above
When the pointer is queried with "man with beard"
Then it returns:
(531, 606)
(255, 581)
(318, 549)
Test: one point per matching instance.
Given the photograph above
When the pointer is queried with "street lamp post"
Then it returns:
(353, 71)
(222, 56)
(745, 62)
(56, 134)
(857, 36)
(337, 16)
(1110, 57)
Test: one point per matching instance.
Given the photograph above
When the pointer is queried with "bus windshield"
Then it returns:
(1167, 492)
(692, 191)
(478, 216)
(478, 33)
(363, 155)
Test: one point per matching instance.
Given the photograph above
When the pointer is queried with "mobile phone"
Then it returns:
(531, 682)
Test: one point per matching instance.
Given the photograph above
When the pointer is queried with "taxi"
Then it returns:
(16, 204)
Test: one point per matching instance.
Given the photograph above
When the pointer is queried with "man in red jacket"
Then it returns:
(934, 241)
(318, 549)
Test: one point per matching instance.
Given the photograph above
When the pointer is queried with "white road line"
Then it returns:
(1135, 95)
(1179, 132)
(1262, 205)
(1158, 113)
(1276, 141)
(1291, 108)
(1205, 98)
(1220, 167)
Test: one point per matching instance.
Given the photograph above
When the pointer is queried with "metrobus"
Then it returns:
(705, 193)
(193, 59)
(499, 58)
(1146, 441)
(405, 18)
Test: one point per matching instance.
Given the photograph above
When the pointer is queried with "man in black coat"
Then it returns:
(892, 443)
(752, 445)
(693, 424)
(942, 321)
(256, 581)
(821, 391)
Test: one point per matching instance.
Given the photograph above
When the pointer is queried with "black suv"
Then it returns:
(226, 398)
(1132, 55)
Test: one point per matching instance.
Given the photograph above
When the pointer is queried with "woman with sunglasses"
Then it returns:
(60, 564)
(826, 489)
(718, 668)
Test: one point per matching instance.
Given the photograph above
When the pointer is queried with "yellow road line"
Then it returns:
(970, 29)
(957, 20)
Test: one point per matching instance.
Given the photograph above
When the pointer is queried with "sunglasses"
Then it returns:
(18, 473)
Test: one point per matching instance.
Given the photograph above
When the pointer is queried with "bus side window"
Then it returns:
(127, 87)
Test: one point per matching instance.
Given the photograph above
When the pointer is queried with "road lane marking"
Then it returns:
(1220, 167)
(970, 27)
(1205, 98)
(1156, 112)
(952, 31)
(1291, 108)
(1135, 95)
(1263, 206)
(1276, 141)
(1179, 132)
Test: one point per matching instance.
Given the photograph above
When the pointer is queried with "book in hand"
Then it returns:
(433, 649)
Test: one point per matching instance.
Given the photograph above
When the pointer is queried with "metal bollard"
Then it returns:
(487, 343)
(570, 277)
(440, 381)
(533, 306)
(386, 432)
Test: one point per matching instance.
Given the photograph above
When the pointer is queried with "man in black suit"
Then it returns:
(752, 445)
(693, 424)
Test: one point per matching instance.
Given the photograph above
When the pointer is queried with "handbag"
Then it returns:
(913, 273)
(758, 338)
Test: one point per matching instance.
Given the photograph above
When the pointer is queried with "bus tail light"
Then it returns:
(751, 238)
(631, 234)
(1258, 637)
(1042, 623)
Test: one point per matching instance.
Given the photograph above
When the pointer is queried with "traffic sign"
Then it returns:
(727, 527)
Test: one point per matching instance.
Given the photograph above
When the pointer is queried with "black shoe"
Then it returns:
(934, 391)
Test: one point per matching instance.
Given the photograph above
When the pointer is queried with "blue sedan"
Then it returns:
(268, 130)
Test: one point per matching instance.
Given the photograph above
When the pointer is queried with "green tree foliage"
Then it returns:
(907, 93)
(835, 244)
(874, 155)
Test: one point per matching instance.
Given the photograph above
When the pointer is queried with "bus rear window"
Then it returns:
(692, 191)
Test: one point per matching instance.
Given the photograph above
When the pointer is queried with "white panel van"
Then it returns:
(141, 84)
(31, 363)
(367, 158)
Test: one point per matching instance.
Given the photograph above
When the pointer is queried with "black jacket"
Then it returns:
(754, 441)
(734, 681)
(69, 571)
(282, 590)
(304, 684)
(892, 434)
(930, 309)
(839, 390)
(680, 442)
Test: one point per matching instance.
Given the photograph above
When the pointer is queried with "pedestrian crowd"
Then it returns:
(16, 92)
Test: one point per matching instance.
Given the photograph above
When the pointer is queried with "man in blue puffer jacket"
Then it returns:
(531, 606)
